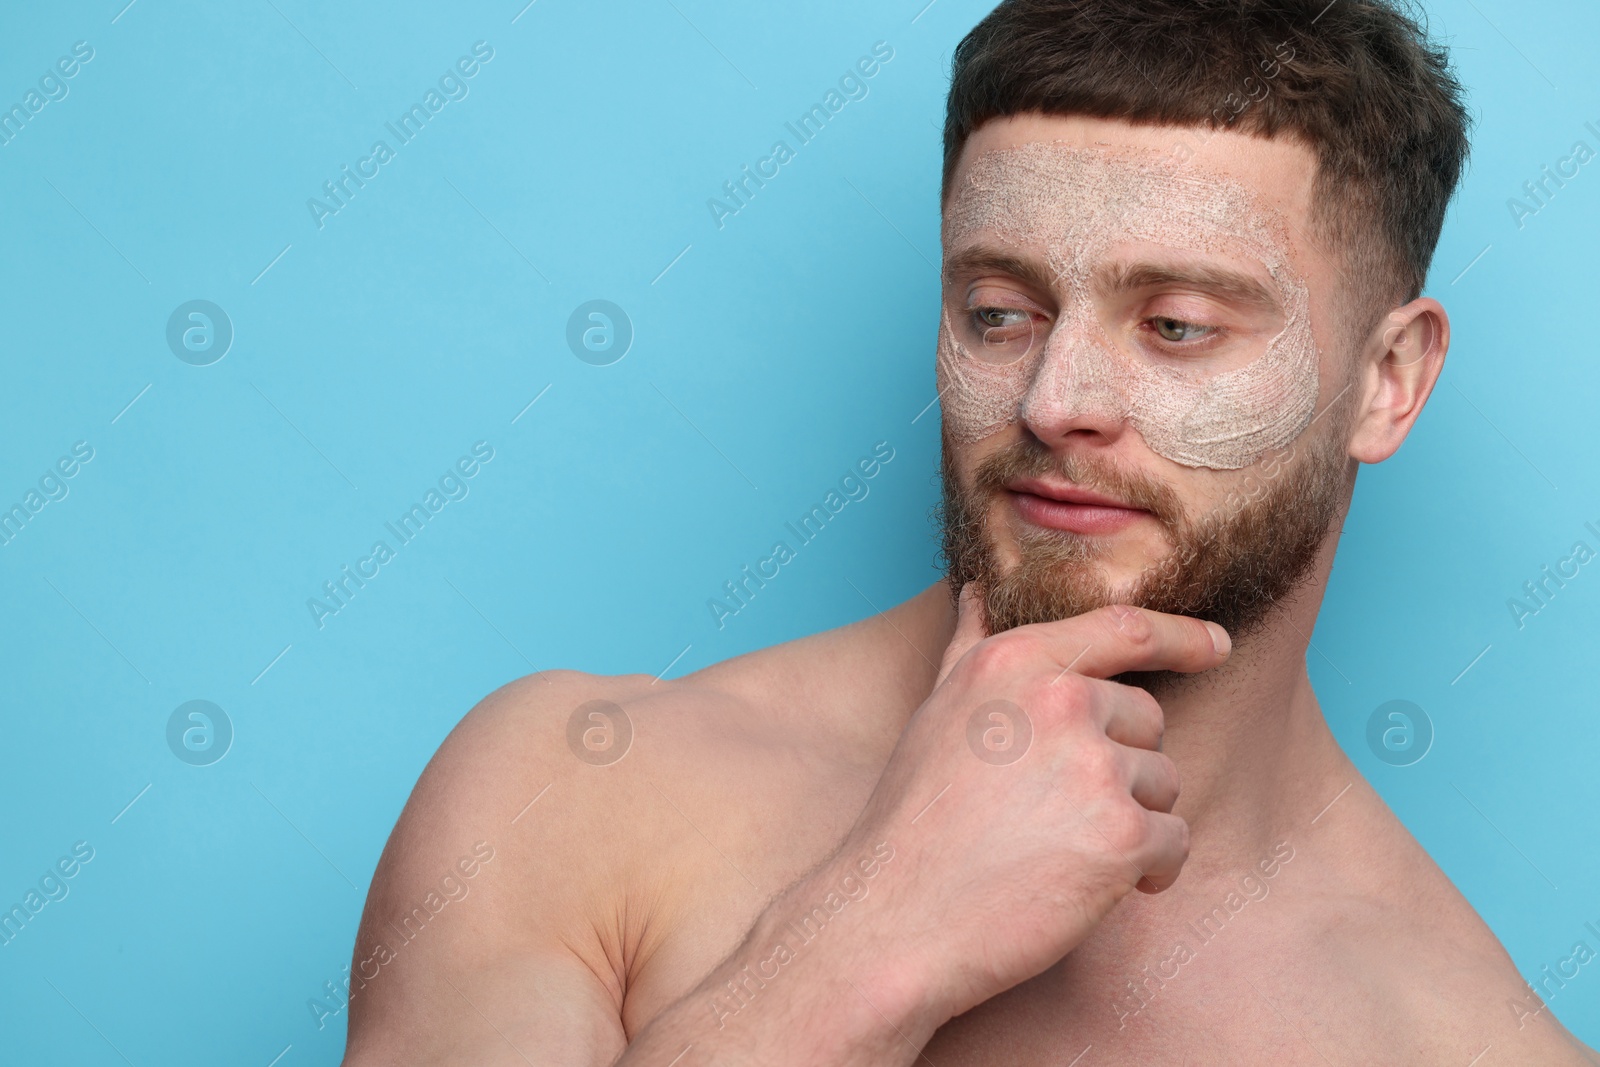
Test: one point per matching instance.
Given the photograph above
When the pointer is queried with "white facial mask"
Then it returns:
(1072, 206)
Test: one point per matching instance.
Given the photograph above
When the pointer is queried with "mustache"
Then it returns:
(1032, 458)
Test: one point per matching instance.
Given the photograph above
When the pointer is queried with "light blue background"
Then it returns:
(430, 311)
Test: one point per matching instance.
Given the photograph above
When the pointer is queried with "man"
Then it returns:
(1184, 247)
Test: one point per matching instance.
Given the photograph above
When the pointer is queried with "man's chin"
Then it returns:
(1032, 592)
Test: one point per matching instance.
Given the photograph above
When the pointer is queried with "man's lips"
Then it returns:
(1069, 508)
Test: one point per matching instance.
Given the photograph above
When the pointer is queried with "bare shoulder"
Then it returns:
(1425, 978)
(479, 888)
(582, 849)
(1375, 955)
(1455, 986)
(596, 815)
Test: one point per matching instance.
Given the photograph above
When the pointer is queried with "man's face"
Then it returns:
(1136, 407)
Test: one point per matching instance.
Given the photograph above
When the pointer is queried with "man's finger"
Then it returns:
(970, 623)
(1107, 641)
(1164, 857)
(1153, 780)
(1134, 717)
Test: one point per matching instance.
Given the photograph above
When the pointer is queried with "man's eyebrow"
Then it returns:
(1231, 284)
(980, 260)
(1120, 278)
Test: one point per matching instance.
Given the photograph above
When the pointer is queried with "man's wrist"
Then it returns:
(833, 935)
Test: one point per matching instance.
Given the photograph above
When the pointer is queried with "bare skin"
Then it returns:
(981, 912)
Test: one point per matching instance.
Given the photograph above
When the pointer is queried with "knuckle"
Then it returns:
(1169, 771)
(1070, 719)
(1069, 693)
(1000, 654)
(1125, 827)
(1151, 709)
(1132, 625)
(1099, 768)
(982, 661)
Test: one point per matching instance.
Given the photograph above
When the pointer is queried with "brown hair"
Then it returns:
(1355, 80)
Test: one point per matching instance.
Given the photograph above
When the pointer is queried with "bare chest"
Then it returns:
(1256, 1001)
(1223, 1004)
(1266, 982)
(1286, 962)
(1198, 984)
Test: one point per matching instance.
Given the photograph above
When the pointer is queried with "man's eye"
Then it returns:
(1004, 335)
(999, 317)
(1177, 330)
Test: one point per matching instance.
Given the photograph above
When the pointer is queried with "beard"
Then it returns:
(1229, 566)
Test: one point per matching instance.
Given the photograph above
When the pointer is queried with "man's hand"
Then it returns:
(1025, 798)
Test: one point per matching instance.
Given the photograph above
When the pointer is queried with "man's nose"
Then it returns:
(1080, 386)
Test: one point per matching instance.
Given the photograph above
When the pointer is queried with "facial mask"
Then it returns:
(1071, 206)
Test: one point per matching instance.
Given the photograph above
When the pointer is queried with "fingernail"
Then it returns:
(1220, 641)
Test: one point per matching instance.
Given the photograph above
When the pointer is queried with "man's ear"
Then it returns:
(1400, 363)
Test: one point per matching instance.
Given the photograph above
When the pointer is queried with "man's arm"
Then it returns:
(807, 985)
(964, 874)
(477, 943)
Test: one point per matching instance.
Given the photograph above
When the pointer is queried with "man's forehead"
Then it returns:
(1028, 180)
(1280, 172)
